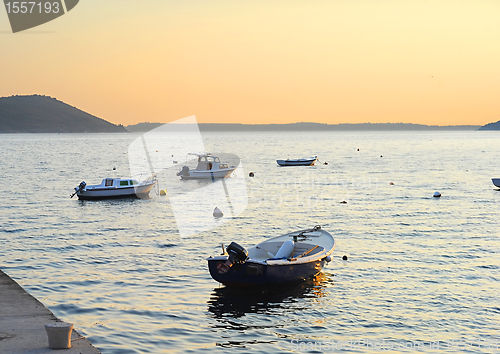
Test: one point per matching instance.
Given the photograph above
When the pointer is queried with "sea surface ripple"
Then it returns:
(422, 272)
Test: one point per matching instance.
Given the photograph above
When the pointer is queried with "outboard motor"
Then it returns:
(81, 186)
(236, 254)
(184, 171)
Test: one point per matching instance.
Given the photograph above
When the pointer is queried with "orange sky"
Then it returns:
(331, 61)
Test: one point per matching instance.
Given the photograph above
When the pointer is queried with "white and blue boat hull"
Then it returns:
(298, 162)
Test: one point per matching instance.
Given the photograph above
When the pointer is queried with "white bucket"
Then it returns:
(59, 334)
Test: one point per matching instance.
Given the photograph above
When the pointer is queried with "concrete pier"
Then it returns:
(22, 323)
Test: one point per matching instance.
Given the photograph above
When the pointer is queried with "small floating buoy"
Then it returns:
(392, 183)
(250, 174)
(437, 195)
(343, 202)
(217, 213)
(381, 156)
(163, 192)
(325, 163)
(114, 168)
(344, 257)
(358, 149)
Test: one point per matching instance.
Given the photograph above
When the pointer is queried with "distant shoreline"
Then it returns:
(45, 114)
(298, 127)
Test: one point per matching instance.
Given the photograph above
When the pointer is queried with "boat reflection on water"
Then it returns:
(229, 302)
(266, 318)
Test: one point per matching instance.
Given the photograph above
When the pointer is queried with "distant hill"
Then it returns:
(142, 127)
(491, 126)
(206, 127)
(44, 114)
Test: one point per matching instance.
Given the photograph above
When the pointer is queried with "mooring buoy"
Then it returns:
(218, 213)
(437, 195)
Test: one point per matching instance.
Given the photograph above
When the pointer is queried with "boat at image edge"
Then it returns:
(293, 257)
(208, 167)
(111, 188)
(496, 182)
(298, 162)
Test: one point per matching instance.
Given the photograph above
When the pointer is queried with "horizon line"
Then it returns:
(329, 124)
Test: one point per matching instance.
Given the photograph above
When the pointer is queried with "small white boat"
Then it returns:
(115, 188)
(293, 257)
(496, 182)
(298, 162)
(208, 167)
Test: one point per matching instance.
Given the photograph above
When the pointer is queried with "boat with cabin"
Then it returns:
(208, 167)
(116, 188)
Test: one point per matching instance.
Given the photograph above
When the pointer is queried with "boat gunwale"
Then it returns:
(291, 260)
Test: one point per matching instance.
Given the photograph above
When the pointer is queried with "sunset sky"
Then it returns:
(255, 62)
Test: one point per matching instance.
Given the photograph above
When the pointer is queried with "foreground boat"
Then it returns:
(496, 182)
(209, 167)
(111, 188)
(293, 257)
(298, 162)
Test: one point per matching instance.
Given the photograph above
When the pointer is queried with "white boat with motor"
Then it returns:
(116, 188)
(496, 182)
(298, 162)
(208, 167)
(293, 257)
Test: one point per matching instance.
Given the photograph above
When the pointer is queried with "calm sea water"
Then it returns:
(422, 273)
